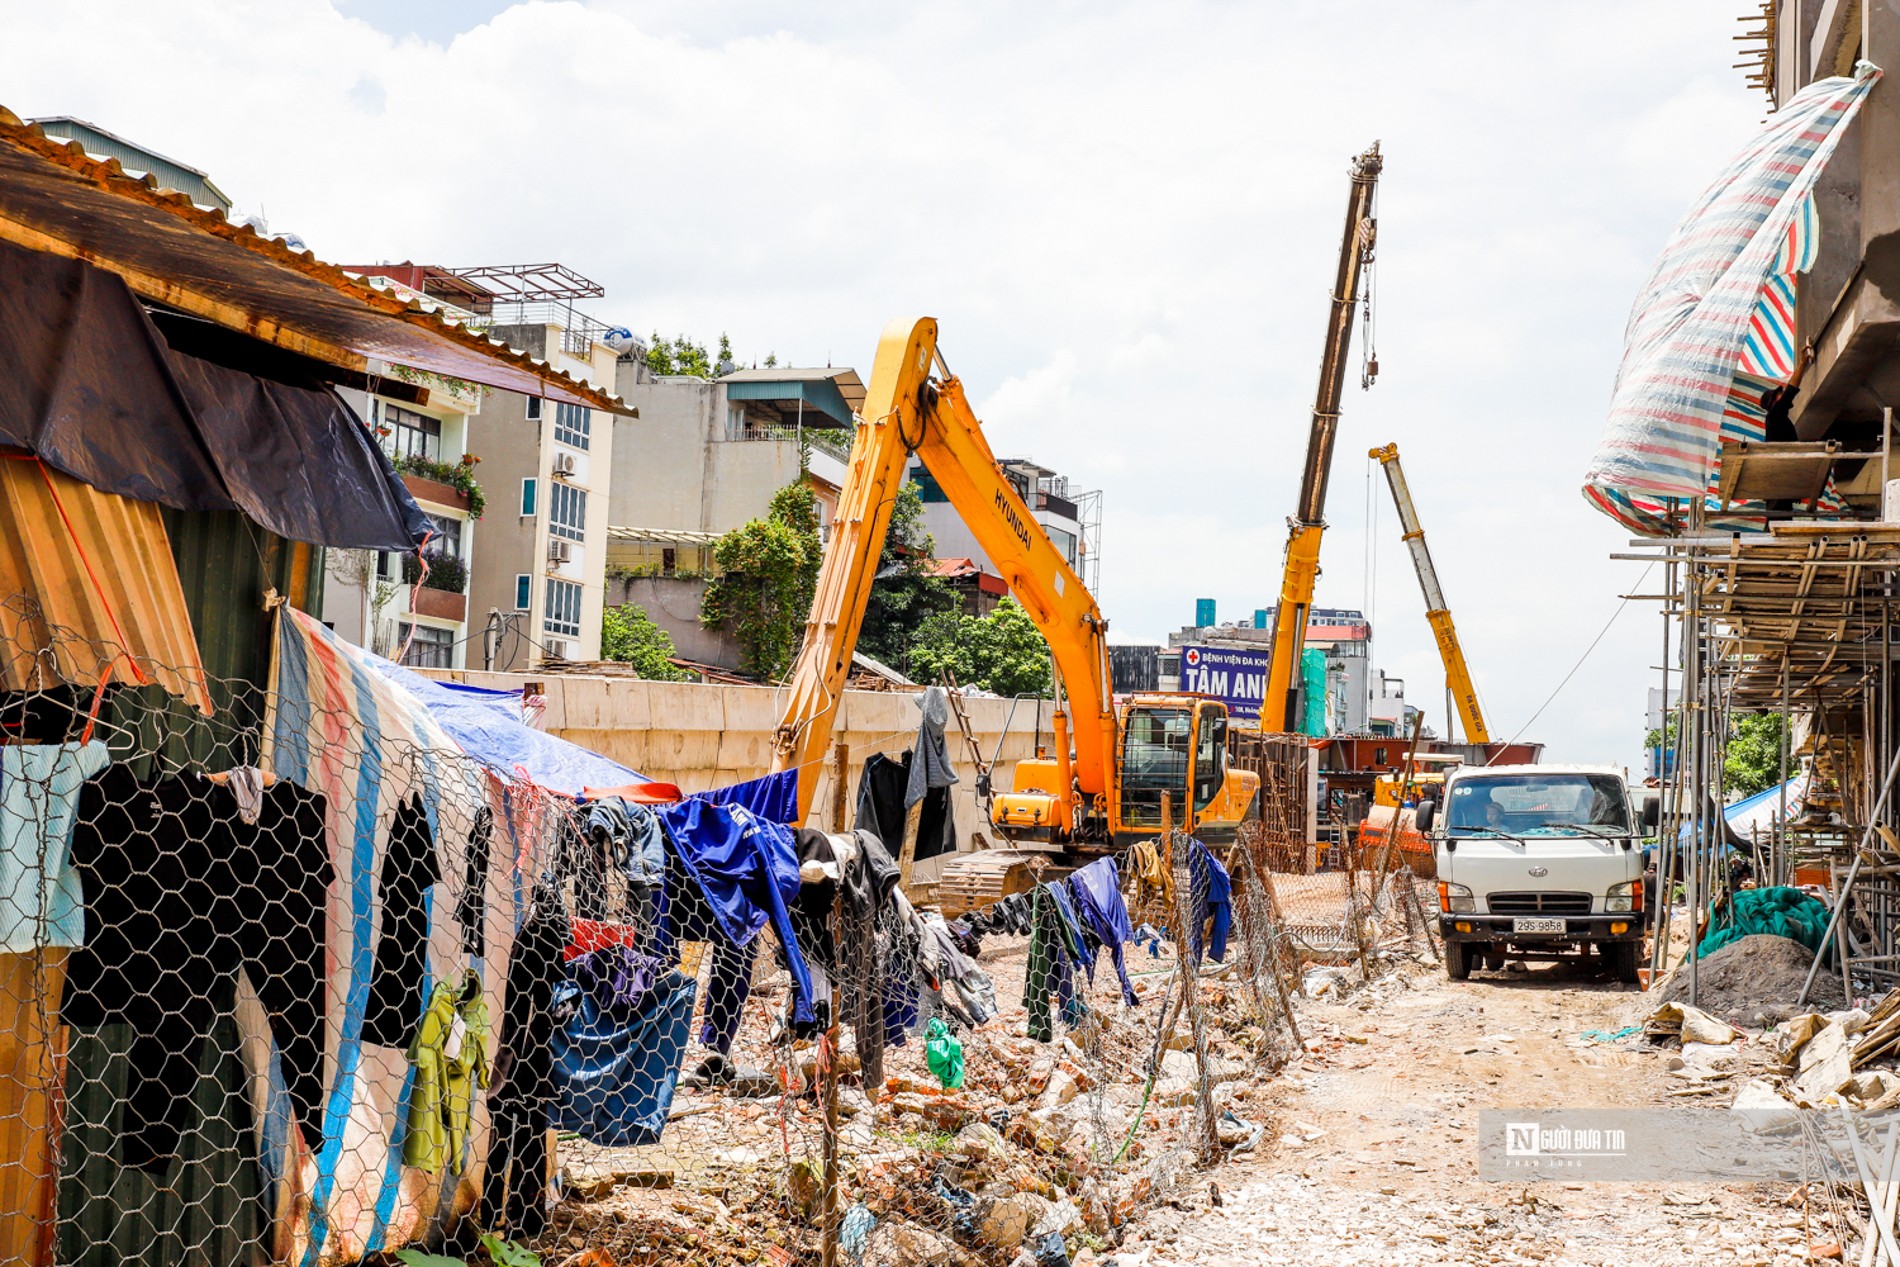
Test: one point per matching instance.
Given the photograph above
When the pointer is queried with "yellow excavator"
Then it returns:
(1281, 707)
(1101, 785)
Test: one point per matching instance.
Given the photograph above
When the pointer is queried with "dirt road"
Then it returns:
(1376, 1159)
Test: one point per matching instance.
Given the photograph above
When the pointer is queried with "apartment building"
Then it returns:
(408, 608)
(713, 451)
(1071, 518)
(536, 587)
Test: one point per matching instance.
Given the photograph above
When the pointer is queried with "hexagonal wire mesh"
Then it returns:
(300, 982)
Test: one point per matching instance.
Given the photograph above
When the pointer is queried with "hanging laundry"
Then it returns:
(471, 912)
(974, 994)
(179, 895)
(1213, 903)
(618, 976)
(882, 809)
(685, 915)
(450, 1058)
(617, 1066)
(860, 872)
(1154, 887)
(40, 899)
(747, 869)
(409, 871)
(1097, 894)
(1051, 967)
(426, 1143)
(514, 1190)
(930, 767)
(773, 796)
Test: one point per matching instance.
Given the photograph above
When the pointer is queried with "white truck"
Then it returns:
(1538, 862)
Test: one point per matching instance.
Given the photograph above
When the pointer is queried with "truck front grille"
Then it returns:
(1538, 903)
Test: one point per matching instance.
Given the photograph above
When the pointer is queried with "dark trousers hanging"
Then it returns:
(514, 1191)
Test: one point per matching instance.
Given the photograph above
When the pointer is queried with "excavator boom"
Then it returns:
(909, 410)
(1457, 673)
(1278, 710)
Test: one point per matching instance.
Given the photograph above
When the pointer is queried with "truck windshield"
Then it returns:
(1552, 804)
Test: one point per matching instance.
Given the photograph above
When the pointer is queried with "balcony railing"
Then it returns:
(825, 440)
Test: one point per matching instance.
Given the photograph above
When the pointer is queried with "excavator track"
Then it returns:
(984, 877)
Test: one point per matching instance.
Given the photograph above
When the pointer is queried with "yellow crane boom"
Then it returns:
(1279, 709)
(1457, 674)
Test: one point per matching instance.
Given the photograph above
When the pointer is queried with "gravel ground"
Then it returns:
(1376, 1158)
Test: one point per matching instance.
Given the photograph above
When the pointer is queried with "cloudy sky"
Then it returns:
(1125, 215)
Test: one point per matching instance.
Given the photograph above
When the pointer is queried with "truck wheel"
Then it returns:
(1458, 960)
(1620, 958)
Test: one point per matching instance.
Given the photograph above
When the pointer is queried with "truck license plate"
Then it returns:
(1538, 926)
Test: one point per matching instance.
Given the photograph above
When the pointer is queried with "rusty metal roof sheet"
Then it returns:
(55, 197)
(91, 588)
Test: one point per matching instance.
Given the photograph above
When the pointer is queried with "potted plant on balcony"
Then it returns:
(457, 478)
(443, 590)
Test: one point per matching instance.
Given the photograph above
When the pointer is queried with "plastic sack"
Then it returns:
(943, 1052)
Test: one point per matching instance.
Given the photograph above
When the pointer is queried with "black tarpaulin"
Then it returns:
(89, 384)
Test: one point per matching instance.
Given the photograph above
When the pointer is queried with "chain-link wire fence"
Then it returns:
(298, 981)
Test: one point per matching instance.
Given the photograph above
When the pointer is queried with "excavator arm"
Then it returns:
(910, 409)
(1457, 673)
(1301, 571)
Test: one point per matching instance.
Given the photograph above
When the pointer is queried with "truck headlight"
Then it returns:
(1627, 896)
(1455, 899)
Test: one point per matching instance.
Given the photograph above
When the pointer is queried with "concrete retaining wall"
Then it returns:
(703, 736)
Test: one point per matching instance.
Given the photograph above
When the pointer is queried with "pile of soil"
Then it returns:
(1759, 976)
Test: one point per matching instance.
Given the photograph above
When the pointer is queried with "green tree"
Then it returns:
(629, 636)
(680, 355)
(1002, 652)
(771, 360)
(768, 570)
(725, 351)
(907, 592)
(1753, 761)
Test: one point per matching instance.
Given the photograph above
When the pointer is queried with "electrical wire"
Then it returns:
(1601, 633)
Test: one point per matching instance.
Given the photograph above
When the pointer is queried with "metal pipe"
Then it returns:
(1847, 885)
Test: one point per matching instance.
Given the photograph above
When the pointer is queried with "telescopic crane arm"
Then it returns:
(908, 409)
(1278, 709)
(1457, 672)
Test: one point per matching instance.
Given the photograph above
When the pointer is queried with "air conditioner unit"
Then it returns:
(555, 649)
(564, 464)
(560, 551)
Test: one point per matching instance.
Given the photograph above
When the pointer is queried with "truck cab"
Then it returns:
(1537, 862)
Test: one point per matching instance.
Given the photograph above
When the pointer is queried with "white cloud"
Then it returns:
(1125, 215)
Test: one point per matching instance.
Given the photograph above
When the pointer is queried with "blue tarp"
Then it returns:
(488, 725)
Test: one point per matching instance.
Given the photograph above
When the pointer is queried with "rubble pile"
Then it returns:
(1045, 1151)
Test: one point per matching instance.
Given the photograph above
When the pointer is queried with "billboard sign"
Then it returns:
(1237, 677)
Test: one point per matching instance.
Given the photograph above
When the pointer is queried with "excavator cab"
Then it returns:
(1177, 745)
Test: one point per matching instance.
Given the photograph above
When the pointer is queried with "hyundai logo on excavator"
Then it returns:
(1016, 525)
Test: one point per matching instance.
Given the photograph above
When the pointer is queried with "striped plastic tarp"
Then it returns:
(338, 727)
(1713, 326)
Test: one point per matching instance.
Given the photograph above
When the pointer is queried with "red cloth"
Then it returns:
(591, 934)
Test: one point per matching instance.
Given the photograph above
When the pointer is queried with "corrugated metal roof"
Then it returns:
(91, 585)
(844, 378)
(55, 197)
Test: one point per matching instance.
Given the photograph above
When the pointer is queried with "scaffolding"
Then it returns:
(1796, 620)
